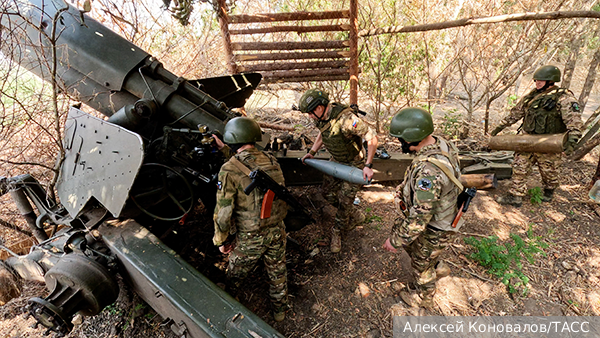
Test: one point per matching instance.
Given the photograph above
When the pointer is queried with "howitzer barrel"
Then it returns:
(337, 170)
(545, 143)
(479, 181)
(101, 68)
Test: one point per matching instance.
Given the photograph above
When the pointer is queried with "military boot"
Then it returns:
(336, 240)
(442, 269)
(427, 300)
(510, 199)
(410, 298)
(548, 195)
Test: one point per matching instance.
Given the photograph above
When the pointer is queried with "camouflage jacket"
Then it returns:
(554, 110)
(343, 132)
(235, 211)
(429, 195)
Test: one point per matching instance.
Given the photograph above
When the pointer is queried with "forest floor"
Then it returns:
(355, 293)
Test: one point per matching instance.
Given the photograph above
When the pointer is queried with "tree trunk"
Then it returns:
(572, 60)
(589, 80)
(586, 148)
(591, 76)
(486, 126)
(591, 119)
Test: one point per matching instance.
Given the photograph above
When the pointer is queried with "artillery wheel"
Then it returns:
(162, 193)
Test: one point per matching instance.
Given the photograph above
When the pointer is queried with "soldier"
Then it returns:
(547, 109)
(341, 130)
(427, 198)
(239, 227)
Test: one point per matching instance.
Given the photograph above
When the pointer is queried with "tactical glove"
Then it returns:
(497, 130)
(572, 139)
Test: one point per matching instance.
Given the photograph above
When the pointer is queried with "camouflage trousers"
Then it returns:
(341, 194)
(425, 251)
(269, 244)
(548, 164)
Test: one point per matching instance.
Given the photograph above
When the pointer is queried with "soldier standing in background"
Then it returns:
(341, 130)
(547, 109)
(239, 227)
(427, 198)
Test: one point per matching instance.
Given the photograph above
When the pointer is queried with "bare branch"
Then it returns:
(15, 228)
(27, 163)
(481, 20)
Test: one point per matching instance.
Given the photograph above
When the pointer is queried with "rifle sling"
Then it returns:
(241, 166)
(446, 171)
(265, 210)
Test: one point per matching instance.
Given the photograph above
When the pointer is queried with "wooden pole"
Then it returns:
(305, 72)
(289, 56)
(342, 77)
(353, 52)
(289, 45)
(271, 17)
(223, 24)
(481, 20)
(297, 29)
(292, 65)
(275, 127)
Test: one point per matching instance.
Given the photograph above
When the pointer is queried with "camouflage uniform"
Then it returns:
(555, 110)
(342, 136)
(430, 198)
(239, 214)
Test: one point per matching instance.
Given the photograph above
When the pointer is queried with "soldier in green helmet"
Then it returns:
(426, 201)
(240, 229)
(547, 109)
(341, 131)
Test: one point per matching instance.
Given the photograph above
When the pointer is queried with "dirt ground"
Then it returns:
(355, 293)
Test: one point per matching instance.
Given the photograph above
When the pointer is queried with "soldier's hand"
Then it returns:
(218, 142)
(227, 247)
(367, 174)
(307, 156)
(389, 247)
(572, 139)
(496, 131)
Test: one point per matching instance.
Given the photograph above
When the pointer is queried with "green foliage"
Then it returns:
(451, 123)
(504, 260)
(133, 313)
(511, 101)
(536, 195)
(113, 310)
(20, 87)
(593, 43)
(375, 219)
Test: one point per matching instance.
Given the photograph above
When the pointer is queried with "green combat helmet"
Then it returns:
(240, 130)
(313, 98)
(411, 124)
(547, 73)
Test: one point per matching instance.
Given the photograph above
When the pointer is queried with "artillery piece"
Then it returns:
(154, 155)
